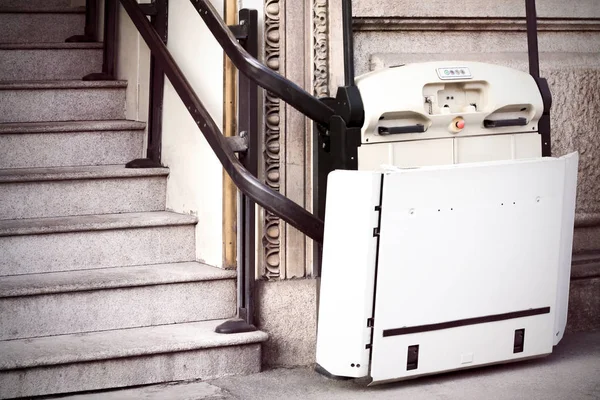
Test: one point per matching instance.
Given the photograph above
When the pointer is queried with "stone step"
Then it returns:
(70, 191)
(128, 357)
(60, 303)
(95, 241)
(37, 101)
(49, 61)
(584, 301)
(34, 4)
(73, 143)
(32, 26)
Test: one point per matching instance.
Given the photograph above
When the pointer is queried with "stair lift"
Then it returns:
(448, 225)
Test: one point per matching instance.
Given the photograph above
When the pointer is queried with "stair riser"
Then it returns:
(96, 249)
(99, 310)
(37, 105)
(40, 28)
(81, 197)
(48, 64)
(199, 364)
(67, 149)
(35, 4)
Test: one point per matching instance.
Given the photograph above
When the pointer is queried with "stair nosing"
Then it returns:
(96, 222)
(71, 126)
(61, 85)
(46, 174)
(122, 343)
(52, 46)
(48, 283)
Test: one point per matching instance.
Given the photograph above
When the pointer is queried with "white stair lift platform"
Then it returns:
(450, 247)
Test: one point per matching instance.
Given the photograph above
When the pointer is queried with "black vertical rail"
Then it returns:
(248, 123)
(109, 54)
(348, 42)
(110, 38)
(532, 42)
(544, 124)
(157, 83)
(91, 24)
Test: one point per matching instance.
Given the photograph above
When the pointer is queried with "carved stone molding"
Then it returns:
(320, 46)
(271, 232)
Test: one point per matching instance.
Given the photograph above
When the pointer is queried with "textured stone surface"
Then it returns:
(61, 101)
(125, 358)
(189, 390)
(70, 191)
(584, 305)
(287, 311)
(100, 310)
(41, 27)
(110, 278)
(34, 4)
(61, 61)
(51, 148)
(474, 8)
(95, 242)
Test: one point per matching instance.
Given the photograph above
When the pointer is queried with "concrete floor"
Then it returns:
(572, 372)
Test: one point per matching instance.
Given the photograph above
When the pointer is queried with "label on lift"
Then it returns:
(449, 73)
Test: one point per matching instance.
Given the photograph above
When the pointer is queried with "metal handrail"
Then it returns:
(270, 200)
(264, 77)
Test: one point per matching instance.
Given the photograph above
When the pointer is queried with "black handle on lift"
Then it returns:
(499, 123)
(393, 130)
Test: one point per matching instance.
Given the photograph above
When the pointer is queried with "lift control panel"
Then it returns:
(450, 113)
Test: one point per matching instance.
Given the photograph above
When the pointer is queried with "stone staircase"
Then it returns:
(99, 287)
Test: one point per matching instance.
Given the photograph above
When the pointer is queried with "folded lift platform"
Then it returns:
(450, 246)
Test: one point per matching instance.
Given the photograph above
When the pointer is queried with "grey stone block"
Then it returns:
(50, 61)
(62, 144)
(287, 311)
(70, 191)
(87, 242)
(122, 358)
(61, 101)
(113, 298)
(35, 27)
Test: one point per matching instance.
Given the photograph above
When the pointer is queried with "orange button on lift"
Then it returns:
(457, 125)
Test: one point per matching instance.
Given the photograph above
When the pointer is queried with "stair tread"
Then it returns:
(110, 278)
(72, 84)
(67, 349)
(35, 226)
(70, 126)
(14, 175)
(49, 10)
(50, 46)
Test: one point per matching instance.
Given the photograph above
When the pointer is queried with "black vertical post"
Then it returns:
(248, 125)
(110, 38)
(532, 42)
(248, 122)
(91, 23)
(544, 124)
(348, 42)
(157, 83)
(109, 54)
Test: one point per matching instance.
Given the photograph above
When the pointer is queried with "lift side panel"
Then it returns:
(347, 277)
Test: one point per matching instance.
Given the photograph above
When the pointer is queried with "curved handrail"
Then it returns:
(260, 74)
(270, 200)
